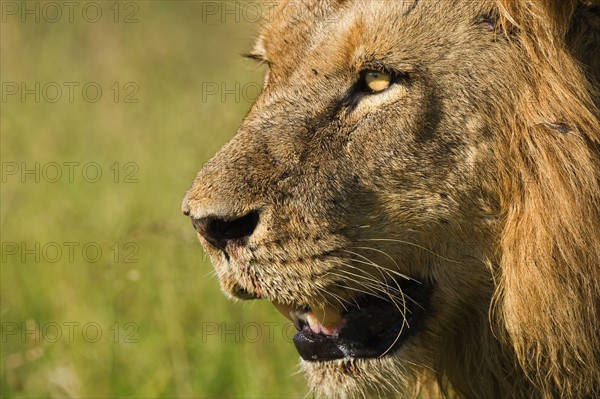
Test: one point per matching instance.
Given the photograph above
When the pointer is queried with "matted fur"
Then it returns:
(481, 175)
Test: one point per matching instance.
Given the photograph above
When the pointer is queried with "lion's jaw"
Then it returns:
(334, 194)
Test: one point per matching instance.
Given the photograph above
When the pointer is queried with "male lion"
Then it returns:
(418, 189)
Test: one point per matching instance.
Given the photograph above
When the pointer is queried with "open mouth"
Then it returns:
(372, 327)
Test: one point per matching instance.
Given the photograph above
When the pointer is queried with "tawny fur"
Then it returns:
(480, 174)
(548, 295)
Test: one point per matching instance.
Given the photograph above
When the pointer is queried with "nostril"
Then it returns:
(235, 229)
(219, 231)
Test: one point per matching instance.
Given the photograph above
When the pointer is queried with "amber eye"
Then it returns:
(377, 81)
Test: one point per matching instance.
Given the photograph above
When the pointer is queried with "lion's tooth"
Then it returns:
(328, 316)
(295, 319)
(302, 316)
(313, 322)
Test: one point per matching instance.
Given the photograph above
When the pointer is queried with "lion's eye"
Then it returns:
(376, 81)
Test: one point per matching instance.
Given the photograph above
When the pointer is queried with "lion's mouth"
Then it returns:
(372, 327)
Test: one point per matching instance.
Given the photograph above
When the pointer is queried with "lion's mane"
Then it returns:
(547, 303)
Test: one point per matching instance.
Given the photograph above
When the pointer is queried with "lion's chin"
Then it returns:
(382, 377)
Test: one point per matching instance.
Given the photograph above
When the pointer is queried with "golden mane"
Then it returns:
(548, 296)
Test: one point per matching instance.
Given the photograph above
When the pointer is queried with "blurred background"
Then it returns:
(108, 111)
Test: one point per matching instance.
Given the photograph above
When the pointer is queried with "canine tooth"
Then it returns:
(313, 323)
(293, 316)
(295, 319)
(302, 316)
(328, 316)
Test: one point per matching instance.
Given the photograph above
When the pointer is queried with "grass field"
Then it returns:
(105, 120)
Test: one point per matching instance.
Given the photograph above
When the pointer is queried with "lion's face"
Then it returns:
(356, 194)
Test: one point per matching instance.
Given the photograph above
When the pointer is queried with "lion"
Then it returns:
(417, 188)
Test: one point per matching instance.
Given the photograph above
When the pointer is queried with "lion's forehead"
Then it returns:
(337, 33)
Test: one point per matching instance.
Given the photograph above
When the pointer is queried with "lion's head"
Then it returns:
(418, 189)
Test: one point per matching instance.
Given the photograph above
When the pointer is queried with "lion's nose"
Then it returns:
(219, 232)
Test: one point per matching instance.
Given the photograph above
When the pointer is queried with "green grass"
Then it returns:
(169, 295)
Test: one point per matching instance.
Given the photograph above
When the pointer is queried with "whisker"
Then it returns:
(374, 289)
(384, 286)
(404, 321)
(382, 252)
(322, 291)
(414, 245)
(209, 274)
(370, 293)
(366, 276)
(402, 308)
(378, 268)
(375, 286)
(387, 271)
(381, 290)
(371, 263)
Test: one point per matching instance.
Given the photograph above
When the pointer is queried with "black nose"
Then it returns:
(219, 232)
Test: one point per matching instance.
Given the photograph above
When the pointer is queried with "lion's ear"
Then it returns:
(548, 294)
